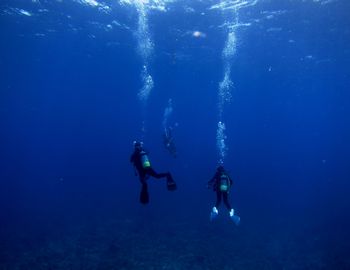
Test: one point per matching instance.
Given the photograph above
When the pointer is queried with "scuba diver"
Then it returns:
(144, 170)
(168, 141)
(221, 183)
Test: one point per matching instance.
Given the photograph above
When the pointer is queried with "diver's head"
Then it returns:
(138, 145)
(220, 168)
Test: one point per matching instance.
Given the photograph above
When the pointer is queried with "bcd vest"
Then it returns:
(224, 183)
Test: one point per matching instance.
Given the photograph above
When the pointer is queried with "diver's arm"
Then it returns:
(132, 158)
(231, 181)
(211, 181)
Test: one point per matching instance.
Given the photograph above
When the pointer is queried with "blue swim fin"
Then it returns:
(214, 213)
(236, 219)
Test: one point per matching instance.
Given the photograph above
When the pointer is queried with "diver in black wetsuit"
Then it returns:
(143, 166)
(168, 141)
(221, 183)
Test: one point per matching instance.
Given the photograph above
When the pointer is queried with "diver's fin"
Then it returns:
(214, 213)
(144, 197)
(236, 219)
(171, 185)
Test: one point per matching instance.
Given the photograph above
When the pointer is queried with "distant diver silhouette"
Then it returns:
(221, 183)
(142, 164)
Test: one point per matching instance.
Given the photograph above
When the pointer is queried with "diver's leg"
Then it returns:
(226, 202)
(153, 173)
(214, 211)
(171, 185)
(218, 199)
(236, 219)
(144, 196)
(142, 176)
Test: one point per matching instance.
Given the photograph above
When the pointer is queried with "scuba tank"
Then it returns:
(144, 160)
(224, 183)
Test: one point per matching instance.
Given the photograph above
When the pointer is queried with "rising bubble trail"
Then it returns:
(231, 7)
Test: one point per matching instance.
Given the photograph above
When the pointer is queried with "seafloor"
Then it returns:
(149, 240)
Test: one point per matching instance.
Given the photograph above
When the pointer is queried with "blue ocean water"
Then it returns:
(82, 79)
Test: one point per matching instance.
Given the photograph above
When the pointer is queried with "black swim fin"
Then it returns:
(171, 185)
(144, 196)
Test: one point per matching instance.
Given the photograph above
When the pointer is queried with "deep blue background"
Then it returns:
(69, 113)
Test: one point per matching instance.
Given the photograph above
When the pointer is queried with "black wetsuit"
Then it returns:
(144, 174)
(168, 141)
(215, 183)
